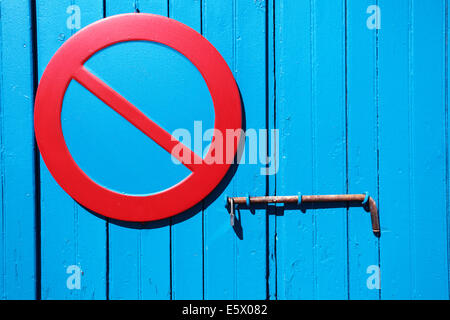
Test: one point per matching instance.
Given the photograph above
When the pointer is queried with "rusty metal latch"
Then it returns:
(366, 201)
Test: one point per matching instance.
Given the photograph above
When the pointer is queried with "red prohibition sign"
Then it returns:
(68, 64)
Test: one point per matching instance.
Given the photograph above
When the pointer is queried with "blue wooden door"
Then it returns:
(340, 97)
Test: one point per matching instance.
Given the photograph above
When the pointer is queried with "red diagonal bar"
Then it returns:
(127, 110)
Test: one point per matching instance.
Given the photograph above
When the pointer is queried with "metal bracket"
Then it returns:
(366, 201)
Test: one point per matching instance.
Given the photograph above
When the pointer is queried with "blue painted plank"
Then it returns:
(446, 147)
(2, 224)
(294, 239)
(271, 125)
(235, 262)
(414, 258)
(362, 137)
(187, 235)
(428, 138)
(219, 253)
(70, 235)
(394, 117)
(250, 73)
(17, 225)
(329, 153)
(139, 256)
(427, 150)
(312, 254)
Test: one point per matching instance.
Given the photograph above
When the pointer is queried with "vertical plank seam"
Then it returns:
(275, 126)
(203, 251)
(203, 202)
(168, 8)
(141, 226)
(76, 238)
(170, 262)
(201, 17)
(235, 256)
(75, 210)
(3, 274)
(411, 144)
(313, 141)
(107, 264)
(377, 92)
(446, 140)
(346, 140)
(274, 123)
(139, 262)
(267, 249)
(170, 222)
(36, 160)
(205, 215)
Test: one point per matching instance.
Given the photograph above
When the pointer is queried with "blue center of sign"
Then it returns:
(165, 86)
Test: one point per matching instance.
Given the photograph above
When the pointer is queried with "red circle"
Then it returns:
(69, 60)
